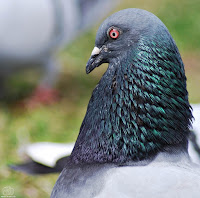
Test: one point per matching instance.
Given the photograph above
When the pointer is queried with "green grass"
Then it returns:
(61, 122)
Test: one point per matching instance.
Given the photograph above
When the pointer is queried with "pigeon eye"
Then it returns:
(114, 33)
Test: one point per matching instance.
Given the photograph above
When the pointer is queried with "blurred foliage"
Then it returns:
(61, 122)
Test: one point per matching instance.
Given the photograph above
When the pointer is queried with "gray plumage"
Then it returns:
(166, 176)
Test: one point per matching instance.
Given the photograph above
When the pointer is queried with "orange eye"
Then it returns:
(114, 33)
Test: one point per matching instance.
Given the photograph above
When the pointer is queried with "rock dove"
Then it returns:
(194, 143)
(32, 31)
(134, 138)
(44, 158)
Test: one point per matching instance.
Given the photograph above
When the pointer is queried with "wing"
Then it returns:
(45, 157)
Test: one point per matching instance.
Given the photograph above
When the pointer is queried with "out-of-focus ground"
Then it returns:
(61, 122)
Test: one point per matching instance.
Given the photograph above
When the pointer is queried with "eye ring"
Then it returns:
(113, 33)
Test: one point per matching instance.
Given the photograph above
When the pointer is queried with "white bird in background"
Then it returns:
(31, 31)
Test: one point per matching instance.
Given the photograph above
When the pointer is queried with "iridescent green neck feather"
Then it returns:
(139, 108)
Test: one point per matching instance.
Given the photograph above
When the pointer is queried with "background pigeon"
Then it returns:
(133, 139)
(194, 143)
(44, 158)
(31, 32)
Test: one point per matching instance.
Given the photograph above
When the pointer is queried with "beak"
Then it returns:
(94, 60)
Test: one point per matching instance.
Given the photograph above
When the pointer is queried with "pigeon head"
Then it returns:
(140, 106)
(119, 33)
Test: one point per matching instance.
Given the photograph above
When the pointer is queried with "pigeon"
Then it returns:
(33, 31)
(194, 143)
(44, 158)
(133, 141)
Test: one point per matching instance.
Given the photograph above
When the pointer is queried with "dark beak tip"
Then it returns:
(90, 65)
(87, 70)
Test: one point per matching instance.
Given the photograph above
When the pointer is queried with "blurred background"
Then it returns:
(25, 119)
